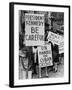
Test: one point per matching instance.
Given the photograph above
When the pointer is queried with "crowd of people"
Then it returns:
(28, 59)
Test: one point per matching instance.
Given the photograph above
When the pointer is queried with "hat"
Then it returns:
(23, 52)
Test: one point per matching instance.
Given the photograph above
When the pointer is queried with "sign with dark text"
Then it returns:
(61, 47)
(34, 29)
(55, 38)
(45, 55)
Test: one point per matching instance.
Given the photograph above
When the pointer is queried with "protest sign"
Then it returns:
(45, 56)
(61, 47)
(34, 29)
(57, 39)
(54, 38)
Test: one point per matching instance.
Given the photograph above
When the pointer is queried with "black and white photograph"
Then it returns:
(41, 44)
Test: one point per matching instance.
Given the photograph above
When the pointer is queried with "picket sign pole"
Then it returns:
(26, 74)
(46, 72)
(39, 71)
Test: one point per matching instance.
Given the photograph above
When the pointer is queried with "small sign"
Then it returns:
(54, 38)
(61, 47)
(45, 55)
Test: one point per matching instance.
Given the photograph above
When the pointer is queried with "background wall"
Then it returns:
(4, 43)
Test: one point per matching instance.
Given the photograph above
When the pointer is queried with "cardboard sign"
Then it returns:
(45, 55)
(55, 38)
(61, 47)
(34, 29)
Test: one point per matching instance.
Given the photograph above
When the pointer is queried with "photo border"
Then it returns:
(11, 42)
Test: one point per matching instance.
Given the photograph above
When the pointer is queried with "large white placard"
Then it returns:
(45, 55)
(34, 29)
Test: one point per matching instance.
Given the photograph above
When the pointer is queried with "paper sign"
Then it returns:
(61, 47)
(34, 29)
(54, 38)
(45, 55)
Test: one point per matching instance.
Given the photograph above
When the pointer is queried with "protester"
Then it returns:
(35, 59)
(26, 62)
(55, 57)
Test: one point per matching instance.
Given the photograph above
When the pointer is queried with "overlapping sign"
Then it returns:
(57, 39)
(45, 55)
(34, 29)
(61, 47)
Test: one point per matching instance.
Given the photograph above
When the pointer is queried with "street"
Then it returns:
(51, 72)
